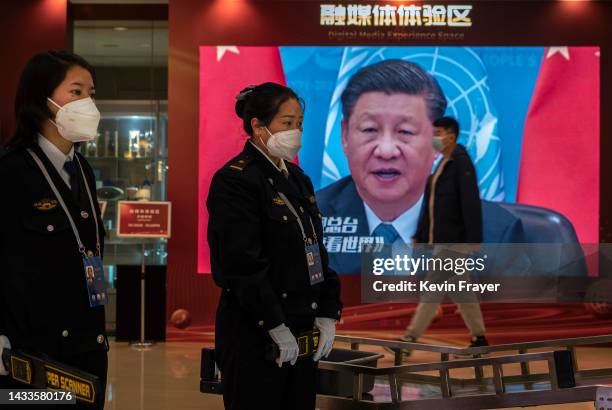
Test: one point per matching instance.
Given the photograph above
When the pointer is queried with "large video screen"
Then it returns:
(529, 120)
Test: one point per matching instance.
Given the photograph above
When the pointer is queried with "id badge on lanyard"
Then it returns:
(311, 250)
(313, 260)
(92, 264)
(94, 276)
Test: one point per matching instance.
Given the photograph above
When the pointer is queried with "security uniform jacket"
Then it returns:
(457, 211)
(258, 258)
(44, 303)
(257, 249)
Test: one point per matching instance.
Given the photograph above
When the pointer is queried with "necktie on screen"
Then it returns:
(388, 233)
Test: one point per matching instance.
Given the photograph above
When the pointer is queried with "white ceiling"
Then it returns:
(136, 44)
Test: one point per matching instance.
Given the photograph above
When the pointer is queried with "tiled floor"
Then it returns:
(167, 377)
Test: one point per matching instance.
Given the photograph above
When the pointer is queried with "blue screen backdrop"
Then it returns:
(488, 90)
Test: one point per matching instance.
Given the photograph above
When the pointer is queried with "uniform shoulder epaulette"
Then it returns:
(6, 152)
(293, 166)
(239, 163)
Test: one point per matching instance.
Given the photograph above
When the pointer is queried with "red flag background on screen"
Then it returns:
(560, 156)
(224, 71)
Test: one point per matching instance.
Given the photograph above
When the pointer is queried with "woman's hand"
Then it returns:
(287, 345)
(4, 344)
(327, 327)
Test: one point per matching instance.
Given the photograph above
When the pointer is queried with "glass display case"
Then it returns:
(130, 56)
(129, 158)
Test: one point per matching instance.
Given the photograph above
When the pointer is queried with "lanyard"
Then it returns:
(65, 208)
(299, 221)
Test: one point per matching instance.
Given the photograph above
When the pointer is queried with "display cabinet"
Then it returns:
(129, 159)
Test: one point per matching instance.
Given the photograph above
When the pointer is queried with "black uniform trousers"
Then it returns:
(249, 381)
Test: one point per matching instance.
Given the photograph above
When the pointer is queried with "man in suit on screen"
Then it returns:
(387, 129)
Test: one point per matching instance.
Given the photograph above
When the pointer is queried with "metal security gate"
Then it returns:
(562, 382)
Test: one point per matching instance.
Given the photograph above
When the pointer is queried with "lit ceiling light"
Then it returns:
(120, 28)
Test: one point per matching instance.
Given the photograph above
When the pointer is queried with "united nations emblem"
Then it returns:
(463, 77)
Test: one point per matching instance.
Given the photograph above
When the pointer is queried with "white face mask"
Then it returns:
(284, 144)
(77, 121)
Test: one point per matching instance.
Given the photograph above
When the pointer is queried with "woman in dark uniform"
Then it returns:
(267, 254)
(52, 233)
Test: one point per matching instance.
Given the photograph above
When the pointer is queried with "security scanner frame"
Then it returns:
(562, 382)
(567, 383)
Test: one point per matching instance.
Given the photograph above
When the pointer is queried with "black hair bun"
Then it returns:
(240, 108)
(241, 100)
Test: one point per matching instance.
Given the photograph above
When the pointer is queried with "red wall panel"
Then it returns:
(295, 22)
(28, 27)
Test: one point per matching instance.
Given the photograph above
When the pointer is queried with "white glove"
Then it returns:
(4, 344)
(287, 345)
(327, 327)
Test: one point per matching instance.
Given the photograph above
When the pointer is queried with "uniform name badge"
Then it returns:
(313, 260)
(94, 276)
